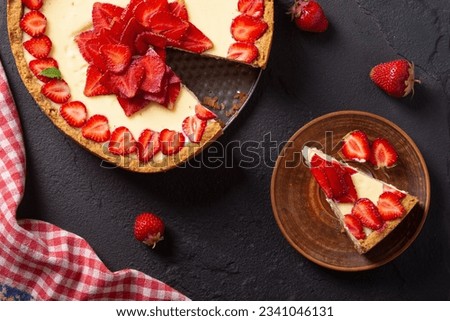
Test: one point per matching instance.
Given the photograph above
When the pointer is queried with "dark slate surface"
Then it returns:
(222, 241)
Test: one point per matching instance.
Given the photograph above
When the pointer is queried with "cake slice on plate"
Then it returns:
(368, 209)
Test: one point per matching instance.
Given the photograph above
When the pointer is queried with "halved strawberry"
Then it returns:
(254, 8)
(103, 15)
(96, 129)
(132, 105)
(127, 84)
(74, 113)
(356, 146)
(171, 142)
(243, 51)
(33, 23)
(246, 28)
(383, 154)
(401, 195)
(38, 65)
(93, 86)
(366, 211)
(390, 206)
(146, 9)
(148, 145)
(122, 142)
(39, 47)
(203, 113)
(178, 9)
(354, 226)
(117, 57)
(33, 4)
(194, 40)
(194, 128)
(57, 90)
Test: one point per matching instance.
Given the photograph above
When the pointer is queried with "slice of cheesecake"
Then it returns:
(368, 209)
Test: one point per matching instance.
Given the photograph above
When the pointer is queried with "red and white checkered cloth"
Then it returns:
(43, 260)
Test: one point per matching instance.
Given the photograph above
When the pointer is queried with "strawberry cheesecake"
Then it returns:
(368, 209)
(98, 69)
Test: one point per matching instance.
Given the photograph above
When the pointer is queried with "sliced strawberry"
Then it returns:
(33, 23)
(93, 85)
(103, 15)
(145, 11)
(39, 47)
(317, 166)
(178, 9)
(74, 113)
(243, 51)
(56, 90)
(148, 145)
(130, 9)
(117, 57)
(383, 154)
(401, 195)
(194, 128)
(195, 41)
(127, 84)
(246, 28)
(354, 226)
(82, 40)
(335, 175)
(351, 196)
(171, 142)
(356, 146)
(122, 142)
(96, 129)
(173, 89)
(169, 25)
(33, 4)
(132, 105)
(254, 8)
(147, 40)
(367, 213)
(38, 65)
(155, 70)
(130, 32)
(203, 113)
(390, 206)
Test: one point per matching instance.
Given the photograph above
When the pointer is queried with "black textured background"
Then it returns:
(222, 240)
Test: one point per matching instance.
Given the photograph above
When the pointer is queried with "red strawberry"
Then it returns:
(149, 229)
(317, 167)
(96, 129)
(178, 9)
(38, 65)
(82, 41)
(390, 207)
(117, 57)
(383, 154)
(395, 77)
(146, 40)
(169, 25)
(309, 16)
(203, 113)
(132, 105)
(193, 128)
(56, 90)
(254, 8)
(33, 4)
(246, 28)
(171, 142)
(74, 113)
(367, 213)
(148, 145)
(354, 226)
(93, 85)
(33, 23)
(127, 84)
(351, 196)
(103, 15)
(39, 47)
(356, 146)
(398, 193)
(122, 142)
(173, 88)
(130, 32)
(195, 41)
(155, 70)
(243, 51)
(146, 9)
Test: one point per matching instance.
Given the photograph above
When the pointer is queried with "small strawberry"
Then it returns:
(317, 168)
(122, 142)
(390, 206)
(39, 47)
(354, 226)
(387, 188)
(57, 90)
(38, 65)
(383, 154)
(203, 113)
(195, 41)
(103, 14)
(168, 25)
(132, 105)
(246, 28)
(144, 11)
(96, 129)
(356, 146)
(33, 4)
(351, 196)
(366, 211)
(254, 8)
(309, 16)
(149, 229)
(171, 142)
(178, 9)
(117, 57)
(148, 145)
(243, 51)
(74, 113)
(395, 77)
(127, 84)
(93, 86)
(193, 128)
(33, 23)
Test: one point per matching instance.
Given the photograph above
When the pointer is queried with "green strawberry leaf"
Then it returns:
(51, 72)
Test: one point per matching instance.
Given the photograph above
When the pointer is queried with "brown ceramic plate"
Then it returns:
(305, 218)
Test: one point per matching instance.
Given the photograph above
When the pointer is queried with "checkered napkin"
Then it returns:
(42, 260)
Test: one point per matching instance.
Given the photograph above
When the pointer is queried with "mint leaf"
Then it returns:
(51, 72)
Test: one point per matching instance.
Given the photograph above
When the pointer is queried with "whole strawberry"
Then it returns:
(309, 16)
(395, 77)
(149, 229)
